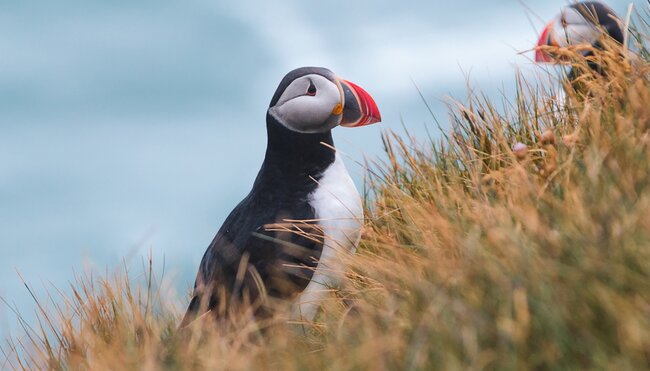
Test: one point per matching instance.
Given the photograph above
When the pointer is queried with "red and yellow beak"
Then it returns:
(359, 109)
(546, 39)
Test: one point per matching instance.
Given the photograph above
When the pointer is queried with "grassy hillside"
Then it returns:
(519, 239)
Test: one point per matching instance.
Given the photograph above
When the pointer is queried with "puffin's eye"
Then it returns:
(564, 22)
(311, 91)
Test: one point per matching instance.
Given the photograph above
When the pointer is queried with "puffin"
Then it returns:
(583, 23)
(281, 243)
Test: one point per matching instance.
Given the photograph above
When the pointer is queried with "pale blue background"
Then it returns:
(134, 125)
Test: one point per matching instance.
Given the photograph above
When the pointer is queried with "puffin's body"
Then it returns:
(583, 23)
(281, 242)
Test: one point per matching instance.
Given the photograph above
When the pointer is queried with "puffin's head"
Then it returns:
(582, 23)
(314, 100)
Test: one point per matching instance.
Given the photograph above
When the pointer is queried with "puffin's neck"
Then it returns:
(575, 73)
(294, 157)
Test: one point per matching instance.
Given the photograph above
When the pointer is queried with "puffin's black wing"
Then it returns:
(268, 246)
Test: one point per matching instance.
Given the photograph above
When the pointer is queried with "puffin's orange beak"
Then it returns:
(359, 108)
(546, 39)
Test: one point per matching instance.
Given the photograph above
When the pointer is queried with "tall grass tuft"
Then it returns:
(519, 239)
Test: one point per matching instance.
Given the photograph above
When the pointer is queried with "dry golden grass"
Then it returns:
(519, 240)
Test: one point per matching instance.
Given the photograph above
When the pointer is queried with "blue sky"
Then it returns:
(127, 126)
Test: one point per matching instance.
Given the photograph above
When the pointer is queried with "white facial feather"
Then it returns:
(572, 28)
(299, 111)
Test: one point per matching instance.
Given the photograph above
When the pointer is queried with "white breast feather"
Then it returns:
(339, 212)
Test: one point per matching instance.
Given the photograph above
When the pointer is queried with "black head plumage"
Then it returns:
(295, 74)
(601, 15)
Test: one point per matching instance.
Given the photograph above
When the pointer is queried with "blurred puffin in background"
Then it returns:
(585, 23)
(281, 243)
